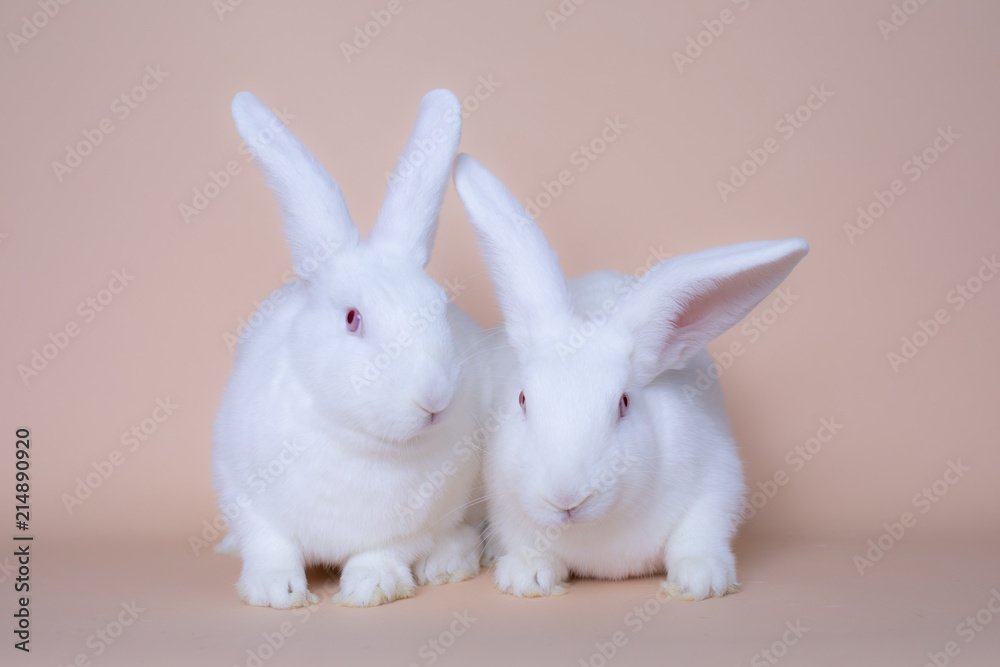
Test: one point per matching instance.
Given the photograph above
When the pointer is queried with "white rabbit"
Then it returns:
(345, 434)
(611, 468)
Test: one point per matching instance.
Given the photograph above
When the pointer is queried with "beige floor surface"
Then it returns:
(904, 611)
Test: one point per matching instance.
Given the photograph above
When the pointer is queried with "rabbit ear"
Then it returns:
(530, 285)
(685, 302)
(408, 220)
(317, 222)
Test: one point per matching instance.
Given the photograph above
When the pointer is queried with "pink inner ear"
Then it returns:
(697, 306)
(698, 297)
(702, 307)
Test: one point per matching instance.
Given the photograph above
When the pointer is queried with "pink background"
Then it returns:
(553, 88)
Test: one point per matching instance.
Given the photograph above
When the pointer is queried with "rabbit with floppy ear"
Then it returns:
(343, 436)
(613, 467)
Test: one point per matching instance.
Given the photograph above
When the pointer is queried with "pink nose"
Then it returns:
(567, 503)
(435, 393)
(435, 399)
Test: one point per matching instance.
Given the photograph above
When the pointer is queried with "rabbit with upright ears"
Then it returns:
(343, 436)
(613, 466)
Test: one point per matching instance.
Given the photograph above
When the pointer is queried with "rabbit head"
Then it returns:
(370, 335)
(586, 353)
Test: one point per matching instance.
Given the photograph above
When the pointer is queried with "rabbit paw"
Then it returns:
(370, 582)
(530, 577)
(454, 558)
(281, 589)
(700, 577)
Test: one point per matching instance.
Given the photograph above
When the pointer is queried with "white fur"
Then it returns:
(573, 488)
(322, 457)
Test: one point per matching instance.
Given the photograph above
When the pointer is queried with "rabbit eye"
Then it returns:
(354, 321)
(520, 401)
(622, 406)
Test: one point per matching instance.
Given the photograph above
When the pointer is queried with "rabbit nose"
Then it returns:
(433, 408)
(435, 398)
(436, 392)
(569, 503)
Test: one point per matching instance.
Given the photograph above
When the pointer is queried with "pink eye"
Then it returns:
(622, 406)
(354, 321)
(520, 401)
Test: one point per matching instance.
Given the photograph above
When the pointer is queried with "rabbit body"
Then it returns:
(685, 468)
(685, 465)
(346, 436)
(305, 482)
(617, 460)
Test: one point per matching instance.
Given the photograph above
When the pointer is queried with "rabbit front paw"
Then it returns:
(700, 577)
(371, 580)
(454, 558)
(529, 577)
(281, 589)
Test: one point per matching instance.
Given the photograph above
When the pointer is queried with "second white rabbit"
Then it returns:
(610, 469)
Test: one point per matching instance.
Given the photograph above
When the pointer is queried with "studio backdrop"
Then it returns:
(139, 242)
